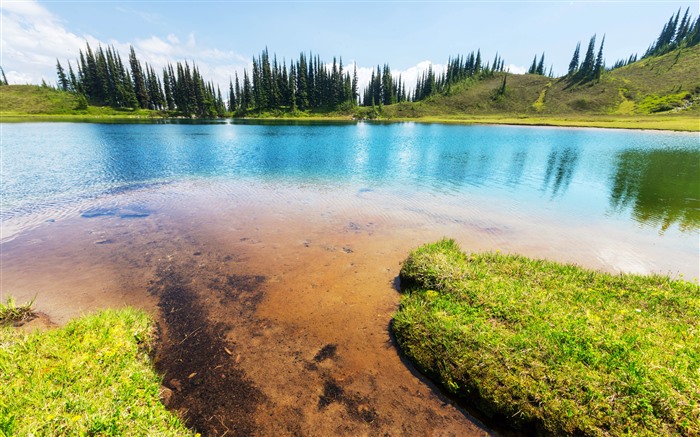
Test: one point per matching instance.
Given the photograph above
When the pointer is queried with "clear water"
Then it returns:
(593, 178)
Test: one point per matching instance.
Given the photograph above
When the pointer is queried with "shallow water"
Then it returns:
(289, 240)
(587, 191)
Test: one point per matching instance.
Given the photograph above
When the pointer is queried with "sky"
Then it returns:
(222, 36)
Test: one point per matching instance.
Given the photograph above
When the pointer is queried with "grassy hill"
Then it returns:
(36, 102)
(655, 93)
(664, 89)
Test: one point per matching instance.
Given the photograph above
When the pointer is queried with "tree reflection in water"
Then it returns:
(662, 187)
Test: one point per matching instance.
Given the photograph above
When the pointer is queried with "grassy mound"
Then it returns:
(555, 348)
(92, 377)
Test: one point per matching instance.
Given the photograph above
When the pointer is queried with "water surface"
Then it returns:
(568, 180)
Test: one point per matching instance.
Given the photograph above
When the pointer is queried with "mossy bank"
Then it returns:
(91, 377)
(554, 349)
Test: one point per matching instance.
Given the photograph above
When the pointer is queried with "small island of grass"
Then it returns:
(552, 348)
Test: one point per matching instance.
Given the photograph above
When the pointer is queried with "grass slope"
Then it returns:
(552, 348)
(22, 102)
(649, 93)
(91, 377)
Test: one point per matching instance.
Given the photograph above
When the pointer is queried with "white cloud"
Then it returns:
(31, 41)
(33, 38)
(515, 69)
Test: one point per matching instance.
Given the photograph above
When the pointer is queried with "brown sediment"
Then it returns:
(274, 308)
(209, 390)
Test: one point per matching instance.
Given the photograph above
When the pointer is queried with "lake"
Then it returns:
(286, 239)
(619, 200)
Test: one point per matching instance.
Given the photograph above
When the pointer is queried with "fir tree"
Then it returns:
(573, 65)
(599, 64)
(586, 71)
(533, 67)
(62, 79)
(540, 66)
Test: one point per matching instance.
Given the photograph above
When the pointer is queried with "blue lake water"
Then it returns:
(646, 183)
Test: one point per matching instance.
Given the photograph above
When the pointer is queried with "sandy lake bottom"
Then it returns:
(274, 302)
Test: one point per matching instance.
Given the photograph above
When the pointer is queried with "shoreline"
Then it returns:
(667, 123)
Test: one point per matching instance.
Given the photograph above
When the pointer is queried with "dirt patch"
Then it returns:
(209, 389)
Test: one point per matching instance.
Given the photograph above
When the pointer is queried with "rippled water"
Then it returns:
(593, 178)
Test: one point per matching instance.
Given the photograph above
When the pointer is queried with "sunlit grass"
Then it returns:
(91, 377)
(558, 347)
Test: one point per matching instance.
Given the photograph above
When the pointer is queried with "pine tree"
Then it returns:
(587, 69)
(533, 67)
(354, 85)
(573, 65)
(540, 66)
(62, 79)
(231, 97)
(139, 80)
(599, 64)
(73, 80)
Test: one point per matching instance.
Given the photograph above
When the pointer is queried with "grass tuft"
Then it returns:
(552, 347)
(13, 314)
(91, 377)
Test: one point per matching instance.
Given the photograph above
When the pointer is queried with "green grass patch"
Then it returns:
(538, 105)
(654, 103)
(555, 348)
(91, 377)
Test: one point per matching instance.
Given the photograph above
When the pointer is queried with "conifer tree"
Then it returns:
(62, 79)
(599, 64)
(354, 85)
(139, 79)
(533, 67)
(540, 66)
(586, 71)
(574, 64)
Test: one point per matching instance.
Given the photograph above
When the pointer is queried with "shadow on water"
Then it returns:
(661, 187)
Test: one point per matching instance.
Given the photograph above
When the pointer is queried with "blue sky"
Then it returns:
(223, 36)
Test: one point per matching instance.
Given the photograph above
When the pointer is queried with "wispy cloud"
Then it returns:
(33, 38)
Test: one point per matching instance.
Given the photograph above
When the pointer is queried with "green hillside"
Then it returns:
(21, 102)
(661, 92)
(654, 89)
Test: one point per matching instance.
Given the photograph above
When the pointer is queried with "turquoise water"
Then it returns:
(611, 199)
(646, 178)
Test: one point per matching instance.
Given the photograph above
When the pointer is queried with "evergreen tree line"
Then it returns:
(308, 84)
(677, 32)
(591, 67)
(103, 79)
(685, 33)
(459, 69)
(383, 89)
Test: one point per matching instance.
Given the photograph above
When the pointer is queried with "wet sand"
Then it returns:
(274, 303)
